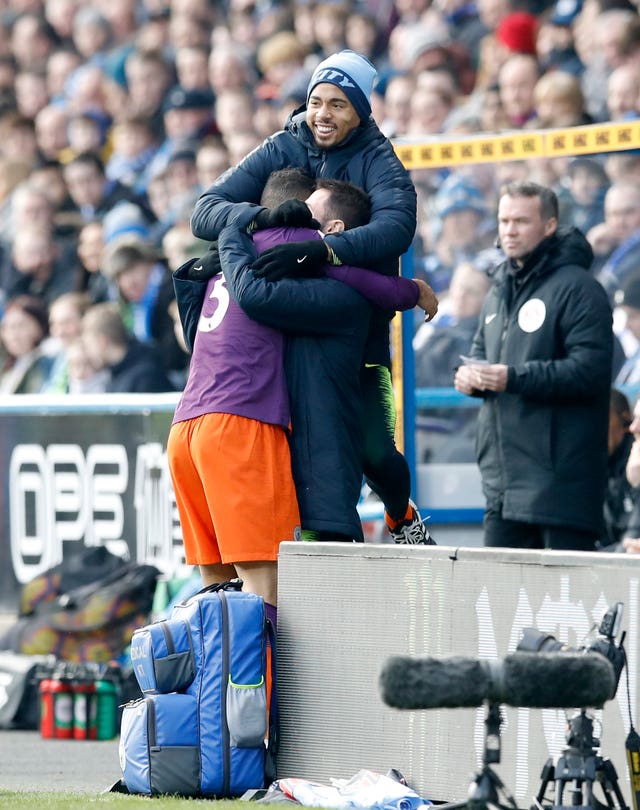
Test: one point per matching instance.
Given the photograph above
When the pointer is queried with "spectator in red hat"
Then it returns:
(516, 33)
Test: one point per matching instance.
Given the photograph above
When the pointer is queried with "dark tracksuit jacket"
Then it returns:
(542, 443)
(365, 158)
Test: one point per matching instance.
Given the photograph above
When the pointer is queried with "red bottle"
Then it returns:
(56, 708)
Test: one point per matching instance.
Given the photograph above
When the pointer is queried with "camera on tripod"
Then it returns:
(602, 640)
(573, 775)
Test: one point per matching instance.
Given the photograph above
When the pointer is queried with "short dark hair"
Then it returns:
(525, 188)
(347, 202)
(286, 184)
(619, 403)
(88, 159)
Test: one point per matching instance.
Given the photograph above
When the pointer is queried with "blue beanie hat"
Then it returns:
(353, 74)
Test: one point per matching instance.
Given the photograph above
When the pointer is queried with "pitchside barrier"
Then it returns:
(344, 609)
(92, 470)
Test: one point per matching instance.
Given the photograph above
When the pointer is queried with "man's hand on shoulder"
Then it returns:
(296, 259)
(207, 266)
(427, 300)
(290, 213)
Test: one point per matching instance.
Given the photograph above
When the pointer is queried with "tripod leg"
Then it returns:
(608, 778)
(546, 776)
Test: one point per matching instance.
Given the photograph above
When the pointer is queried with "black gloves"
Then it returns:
(294, 259)
(206, 267)
(293, 213)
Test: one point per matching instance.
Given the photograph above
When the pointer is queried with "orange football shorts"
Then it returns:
(234, 488)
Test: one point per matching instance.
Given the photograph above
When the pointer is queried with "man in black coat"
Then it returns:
(542, 357)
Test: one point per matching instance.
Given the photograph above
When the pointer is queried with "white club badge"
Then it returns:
(531, 315)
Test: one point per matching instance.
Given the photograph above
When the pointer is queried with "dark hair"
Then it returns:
(286, 184)
(525, 188)
(33, 306)
(347, 202)
(88, 159)
(620, 405)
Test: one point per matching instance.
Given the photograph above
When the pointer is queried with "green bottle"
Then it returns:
(107, 709)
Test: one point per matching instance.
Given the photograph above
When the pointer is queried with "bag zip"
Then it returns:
(226, 737)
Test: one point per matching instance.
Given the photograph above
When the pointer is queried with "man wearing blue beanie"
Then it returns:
(353, 74)
(334, 136)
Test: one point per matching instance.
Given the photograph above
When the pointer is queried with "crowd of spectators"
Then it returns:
(116, 114)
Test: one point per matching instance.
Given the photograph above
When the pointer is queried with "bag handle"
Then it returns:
(231, 585)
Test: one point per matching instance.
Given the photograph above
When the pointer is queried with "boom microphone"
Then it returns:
(543, 680)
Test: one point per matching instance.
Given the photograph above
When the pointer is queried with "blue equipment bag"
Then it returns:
(203, 672)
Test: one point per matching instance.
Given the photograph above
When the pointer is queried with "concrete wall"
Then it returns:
(343, 609)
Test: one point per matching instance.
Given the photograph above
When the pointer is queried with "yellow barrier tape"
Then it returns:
(585, 140)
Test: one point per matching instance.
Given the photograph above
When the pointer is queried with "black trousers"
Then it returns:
(385, 468)
(502, 533)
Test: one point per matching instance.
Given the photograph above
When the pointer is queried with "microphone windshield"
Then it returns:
(542, 680)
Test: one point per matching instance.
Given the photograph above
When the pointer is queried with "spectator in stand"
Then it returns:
(623, 166)
(616, 241)
(241, 143)
(234, 109)
(397, 105)
(31, 92)
(623, 93)
(60, 66)
(212, 160)
(93, 194)
(439, 344)
(90, 254)
(627, 301)
(65, 327)
(517, 81)
(582, 200)
(144, 290)
(555, 46)
(558, 102)
(133, 366)
(36, 267)
(86, 132)
(230, 66)
(18, 138)
(461, 231)
(23, 328)
(601, 50)
(429, 110)
(82, 376)
(92, 34)
(33, 41)
(329, 21)
(51, 131)
(188, 117)
(192, 67)
(278, 57)
(59, 14)
(464, 25)
(134, 145)
(430, 48)
(149, 75)
(179, 245)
